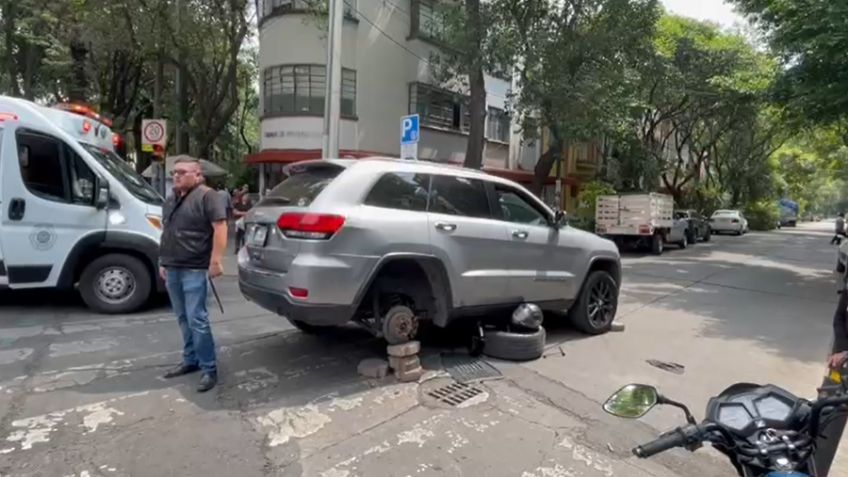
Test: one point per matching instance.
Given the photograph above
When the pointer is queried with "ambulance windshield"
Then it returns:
(122, 171)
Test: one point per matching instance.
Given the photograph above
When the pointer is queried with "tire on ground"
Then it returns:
(579, 313)
(141, 277)
(657, 244)
(684, 242)
(514, 346)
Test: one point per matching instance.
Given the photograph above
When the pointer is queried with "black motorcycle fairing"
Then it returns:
(745, 409)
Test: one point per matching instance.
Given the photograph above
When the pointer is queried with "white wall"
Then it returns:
(304, 133)
(384, 72)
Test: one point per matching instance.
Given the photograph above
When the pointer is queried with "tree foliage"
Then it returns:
(121, 56)
(809, 37)
(578, 62)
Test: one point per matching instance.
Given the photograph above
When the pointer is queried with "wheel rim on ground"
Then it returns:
(600, 306)
(114, 285)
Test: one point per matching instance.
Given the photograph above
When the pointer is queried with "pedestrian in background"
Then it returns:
(194, 238)
(840, 229)
(241, 207)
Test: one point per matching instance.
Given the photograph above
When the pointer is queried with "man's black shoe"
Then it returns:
(181, 370)
(207, 382)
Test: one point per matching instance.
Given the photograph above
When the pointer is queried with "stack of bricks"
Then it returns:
(403, 359)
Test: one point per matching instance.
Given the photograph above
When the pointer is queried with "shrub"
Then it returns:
(762, 215)
(584, 217)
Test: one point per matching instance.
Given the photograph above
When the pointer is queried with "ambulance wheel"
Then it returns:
(115, 283)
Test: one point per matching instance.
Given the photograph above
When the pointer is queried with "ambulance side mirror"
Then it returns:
(101, 193)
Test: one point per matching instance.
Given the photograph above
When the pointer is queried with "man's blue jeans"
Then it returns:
(187, 289)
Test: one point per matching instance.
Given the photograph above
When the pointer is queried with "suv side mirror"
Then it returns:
(101, 193)
(560, 219)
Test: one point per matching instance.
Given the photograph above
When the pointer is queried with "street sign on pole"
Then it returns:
(154, 135)
(410, 132)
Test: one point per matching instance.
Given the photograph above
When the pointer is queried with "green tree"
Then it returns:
(700, 88)
(809, 36)
(577, 61)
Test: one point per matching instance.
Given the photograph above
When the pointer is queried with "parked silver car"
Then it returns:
(387, 243)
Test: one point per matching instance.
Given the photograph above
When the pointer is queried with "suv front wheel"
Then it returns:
(594, 311)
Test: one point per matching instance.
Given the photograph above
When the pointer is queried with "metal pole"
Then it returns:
(158, 169)
(333, 94)
(179, 85)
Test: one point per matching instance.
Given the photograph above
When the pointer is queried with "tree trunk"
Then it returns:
(9, 26)
(78, 91)
(477, 83)
(546, 163)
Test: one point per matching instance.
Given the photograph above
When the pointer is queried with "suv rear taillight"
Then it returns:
(310, 226)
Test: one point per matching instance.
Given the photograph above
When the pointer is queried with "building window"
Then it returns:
(581, 152)
(431, 20)
(439, 108)
(300, 89)
(269, 8)
(348, 92)
(497, 127)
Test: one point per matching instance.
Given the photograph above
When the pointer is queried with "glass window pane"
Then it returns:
(400, 191)
(459, 196)
(317, 89)
(82, 179)
(302, 186)
(286, 102)
(518, 210)
(40, 160)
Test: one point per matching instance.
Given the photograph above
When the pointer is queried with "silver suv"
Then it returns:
(387, 243)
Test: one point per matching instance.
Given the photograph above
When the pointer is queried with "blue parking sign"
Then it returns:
(409, 130)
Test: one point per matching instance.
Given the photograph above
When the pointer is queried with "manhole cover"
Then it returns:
(667, 366)
(465, 369)
(447, 393)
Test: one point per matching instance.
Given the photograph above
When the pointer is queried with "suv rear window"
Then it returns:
(302, 187)
(404, 191)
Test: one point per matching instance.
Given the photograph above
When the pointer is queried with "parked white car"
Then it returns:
(728, 221)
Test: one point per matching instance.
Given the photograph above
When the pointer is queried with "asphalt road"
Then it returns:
(80, 394)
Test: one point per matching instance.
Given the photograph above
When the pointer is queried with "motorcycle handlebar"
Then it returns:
(692, 434)
(676, 438)
(819, 406)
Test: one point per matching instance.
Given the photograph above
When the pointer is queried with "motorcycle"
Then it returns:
(765, 431)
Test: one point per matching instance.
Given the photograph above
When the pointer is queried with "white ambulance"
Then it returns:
(72, 212)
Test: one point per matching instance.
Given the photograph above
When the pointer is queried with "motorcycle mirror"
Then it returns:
(632, 401)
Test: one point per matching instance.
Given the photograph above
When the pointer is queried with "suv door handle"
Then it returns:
(520, 234)
(17, 208)
(445, 226)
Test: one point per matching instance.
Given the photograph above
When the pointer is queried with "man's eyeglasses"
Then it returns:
(177, 172)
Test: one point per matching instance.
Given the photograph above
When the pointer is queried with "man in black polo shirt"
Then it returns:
(194, 237)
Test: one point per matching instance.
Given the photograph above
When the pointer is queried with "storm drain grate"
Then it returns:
(455, 394)
(667, 366)
(464, 368)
